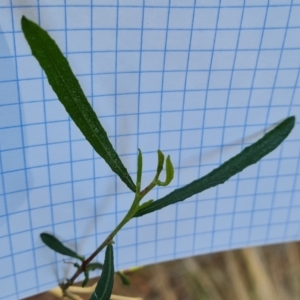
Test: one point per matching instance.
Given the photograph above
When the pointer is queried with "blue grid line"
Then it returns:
(160, 116)
(171, 222)
(206, 199)
(206, 99)
(138, 117)
(97, 242)
(259, 166)
(149, 171)
(193, 90)
(8, 226)
(295, 179)
(267, 117)
(128, 228)
(203, 232)
(70, 137)
(165, 92)
(152, 6)
(146, 171)
(192, 71)
(154, 50)
(225, 119)
(115, 100)
(30, 289)
(143, 113)
(23, 157)
(249, 99)
(47, 156)
(181, 120)
(159, 50)
(157, 71)
(188, 90)
(292, 205)
(47, 152)
(157, 29)
(145, 133)
(235, 245)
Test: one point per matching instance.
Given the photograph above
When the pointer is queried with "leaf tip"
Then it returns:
(286, 125)
(292, 119)
(24, 21)
(44, 235)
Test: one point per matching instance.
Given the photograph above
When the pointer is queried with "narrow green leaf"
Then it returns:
(56, 245)
(88, 268)
(169, 169)
(86, 279)
(124, 279)
(169, 173)
(139, 171)
(94, 266)
(145, 204)
(70, 94)
(105, 284)
(250, 155)
(160, 163)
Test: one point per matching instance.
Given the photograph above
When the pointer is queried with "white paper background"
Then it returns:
(198, 81)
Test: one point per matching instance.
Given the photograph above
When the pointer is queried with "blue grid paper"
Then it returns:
(199, 80)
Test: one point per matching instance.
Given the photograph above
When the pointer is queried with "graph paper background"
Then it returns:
(199, 80)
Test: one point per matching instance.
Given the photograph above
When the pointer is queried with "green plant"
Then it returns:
(69, 92)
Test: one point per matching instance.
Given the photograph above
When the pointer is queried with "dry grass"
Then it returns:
(271, 272)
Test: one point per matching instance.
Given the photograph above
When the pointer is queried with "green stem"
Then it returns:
(139, 195)
(133, 209)
(147, 189)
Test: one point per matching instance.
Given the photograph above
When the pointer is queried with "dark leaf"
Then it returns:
(139, 171)
(94, 266)
(105, 284)
(145, 204)
(69, 92)
(125, 280)
(250, 155)
(56, 245)
(86, 279)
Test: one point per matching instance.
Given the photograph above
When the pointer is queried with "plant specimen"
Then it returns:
(70, 94)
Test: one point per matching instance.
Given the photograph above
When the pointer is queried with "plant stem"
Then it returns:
(147, 189)
(108, 240)
(133, 209)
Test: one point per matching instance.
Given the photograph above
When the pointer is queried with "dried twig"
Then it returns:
(73, 290)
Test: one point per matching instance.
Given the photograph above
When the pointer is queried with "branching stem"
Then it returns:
(139, 195)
